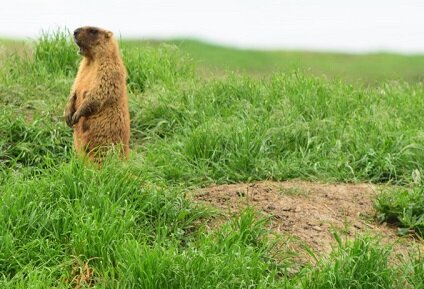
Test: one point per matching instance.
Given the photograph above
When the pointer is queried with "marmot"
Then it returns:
(98, 104)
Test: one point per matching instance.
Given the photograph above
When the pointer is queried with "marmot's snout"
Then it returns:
(77, 31)
(76, 34)
(78, 41)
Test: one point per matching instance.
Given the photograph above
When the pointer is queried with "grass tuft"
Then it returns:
(147, 66)
(56, 52)
(403, 207)
(362, 263)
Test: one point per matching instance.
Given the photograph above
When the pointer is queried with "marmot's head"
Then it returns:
(93, 41)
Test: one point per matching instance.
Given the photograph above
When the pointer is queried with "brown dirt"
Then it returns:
(308, 211)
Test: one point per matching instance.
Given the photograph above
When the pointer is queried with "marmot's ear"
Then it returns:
(109, 34)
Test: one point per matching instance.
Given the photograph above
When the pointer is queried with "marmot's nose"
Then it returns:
(77, 31)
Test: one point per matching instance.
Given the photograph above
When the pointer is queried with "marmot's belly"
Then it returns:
(103, 128)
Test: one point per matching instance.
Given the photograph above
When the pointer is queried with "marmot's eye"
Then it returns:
(92, 31)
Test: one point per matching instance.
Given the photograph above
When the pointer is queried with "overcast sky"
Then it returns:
(344, 25)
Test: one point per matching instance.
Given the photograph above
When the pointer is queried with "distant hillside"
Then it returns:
(213, 59)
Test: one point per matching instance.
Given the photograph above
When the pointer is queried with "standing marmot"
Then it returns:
(98, 104)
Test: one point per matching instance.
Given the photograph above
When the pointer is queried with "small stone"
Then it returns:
(317, 228)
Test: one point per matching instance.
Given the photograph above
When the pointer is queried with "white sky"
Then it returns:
(344, 25)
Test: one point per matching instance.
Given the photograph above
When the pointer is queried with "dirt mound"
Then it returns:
(308, 211)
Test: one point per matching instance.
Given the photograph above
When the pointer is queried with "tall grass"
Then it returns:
(241, 129)
(36, 143)
(56, 52)
(362, 263)
(76, 212)
(164, 66)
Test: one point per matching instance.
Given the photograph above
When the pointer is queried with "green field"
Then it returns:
(370, 68)
(195, 123)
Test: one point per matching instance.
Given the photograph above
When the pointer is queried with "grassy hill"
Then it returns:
(213, 60)
(133, 225)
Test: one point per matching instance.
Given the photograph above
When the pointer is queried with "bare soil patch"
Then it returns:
(308, 211)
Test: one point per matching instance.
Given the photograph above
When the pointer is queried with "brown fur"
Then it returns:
(98, 104)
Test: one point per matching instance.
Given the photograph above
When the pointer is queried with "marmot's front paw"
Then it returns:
(68, 119)
(75, 118)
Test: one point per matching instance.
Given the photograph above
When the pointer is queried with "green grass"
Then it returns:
(362, 263)
(290, 126)
(132, 224)
(403, 207)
